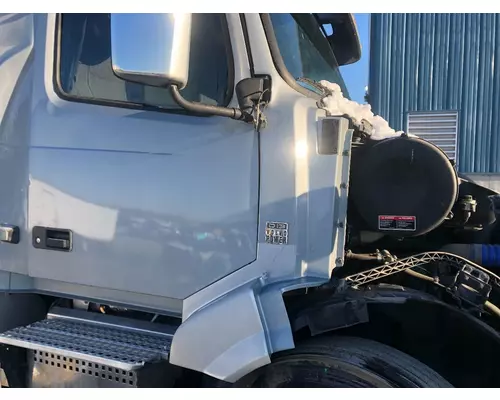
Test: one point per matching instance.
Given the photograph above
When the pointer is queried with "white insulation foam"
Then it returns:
(337, 104)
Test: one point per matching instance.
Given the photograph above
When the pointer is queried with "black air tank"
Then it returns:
(402, 186)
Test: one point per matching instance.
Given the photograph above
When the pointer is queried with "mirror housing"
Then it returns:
(151, 49)
(344, 40)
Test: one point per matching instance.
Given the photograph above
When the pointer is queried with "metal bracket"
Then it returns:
(417, 260)
(472, 286)
(9, 233)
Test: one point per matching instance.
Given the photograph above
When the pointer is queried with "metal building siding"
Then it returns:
(424, 62)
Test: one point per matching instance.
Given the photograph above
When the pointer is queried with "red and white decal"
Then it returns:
(404, 223)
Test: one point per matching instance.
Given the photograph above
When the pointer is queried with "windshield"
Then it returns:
(305, 49)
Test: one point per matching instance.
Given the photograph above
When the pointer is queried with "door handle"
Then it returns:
(52, 238)
(60, 244)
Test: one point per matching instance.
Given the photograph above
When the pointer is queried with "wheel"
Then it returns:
(342, 362)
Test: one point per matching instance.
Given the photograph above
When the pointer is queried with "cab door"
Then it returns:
(127, 191)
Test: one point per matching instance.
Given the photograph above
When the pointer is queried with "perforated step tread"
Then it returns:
(114, 346)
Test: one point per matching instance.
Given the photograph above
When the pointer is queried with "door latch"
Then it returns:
(52, 238)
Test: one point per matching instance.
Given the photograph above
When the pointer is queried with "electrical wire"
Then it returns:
(492, 308)
(420, 276)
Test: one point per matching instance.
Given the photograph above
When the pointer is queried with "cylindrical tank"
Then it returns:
(402, 186)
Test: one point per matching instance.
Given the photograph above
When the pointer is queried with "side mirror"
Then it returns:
(344, 40)
(152, 49)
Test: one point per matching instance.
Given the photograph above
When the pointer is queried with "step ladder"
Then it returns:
(74, 348)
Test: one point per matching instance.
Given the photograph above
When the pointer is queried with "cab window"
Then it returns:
(305, 49)
(85, 70)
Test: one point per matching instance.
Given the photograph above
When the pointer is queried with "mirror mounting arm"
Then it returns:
(203, 109)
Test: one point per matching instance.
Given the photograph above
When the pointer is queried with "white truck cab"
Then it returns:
(182, 207)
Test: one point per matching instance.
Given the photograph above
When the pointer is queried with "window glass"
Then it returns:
(86, 72)
(305, 49)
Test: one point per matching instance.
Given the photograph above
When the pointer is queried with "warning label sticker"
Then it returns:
(397, 223)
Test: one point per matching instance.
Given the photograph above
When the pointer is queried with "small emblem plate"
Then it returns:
(277, 232)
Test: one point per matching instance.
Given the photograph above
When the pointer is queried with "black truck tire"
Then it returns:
(335, 361)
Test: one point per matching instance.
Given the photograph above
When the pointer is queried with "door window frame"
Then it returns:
(58, 89)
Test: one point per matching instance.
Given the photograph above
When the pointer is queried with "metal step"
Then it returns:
(108, 341)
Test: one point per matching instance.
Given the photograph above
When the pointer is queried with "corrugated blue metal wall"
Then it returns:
(423, 62)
